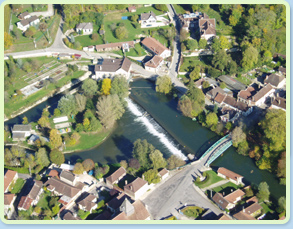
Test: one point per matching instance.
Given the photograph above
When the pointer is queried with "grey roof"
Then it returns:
(33, 137)
(25, 22)
(146, 16)
(18, 135)
(22, 15)
(127, 207)
(36, 189)
(67, 175)
(233, 83)
(88, 25)
(274, 79)
(113, 65)
(215, 91)
(62, 187)
(21, 128)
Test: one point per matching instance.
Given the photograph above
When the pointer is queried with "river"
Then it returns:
(175, 135)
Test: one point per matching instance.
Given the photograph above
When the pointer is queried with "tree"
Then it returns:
(80, 101)
(274, 127)
(282, 203)
(55, 210)
(24, 120)
(174, 162)
(202, 43)
(183, 35)
(134, 163)
(55, 139)
(151, 176)
(30, 32)
(86, 124)
(77, 45)
(134, 18)
(94, 36)
(158, 161)
(281, 170)
(57, 112)
(109, 109)
(8, 41)
(119, 86)
(205, 84)
(224, 42)
(121, 33)
(232, 67)
(44, 122)
(238, 136)
(163, 84)
(196, 95)
(78, 168)
(263, 192)
(195, 74)
(106, 86)
(141, 151)
(89, 87)
(216, 45)
(211, 119)
(88, 164)
(250, 58)
(220, 60)
(42, 157)
(185, 106)
(191, 44)
(124, 164)
(161, 7)
(67, 105)
(57, 157)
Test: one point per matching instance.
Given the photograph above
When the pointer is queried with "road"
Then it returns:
(176, 192)
(176, 53)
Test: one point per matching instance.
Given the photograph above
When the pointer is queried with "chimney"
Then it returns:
(100, 67)
(125, 182)
(279, 101)
(113, 60)
(143, 177)
(243, 209)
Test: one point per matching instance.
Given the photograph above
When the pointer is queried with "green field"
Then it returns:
(17, 103)
(86, 40)
(179, 9)
(17, 186)
(226, 188)
(244, 80)
(7, 12)
(89, 140)
(189, 64)
(212, 178)
(138, 50)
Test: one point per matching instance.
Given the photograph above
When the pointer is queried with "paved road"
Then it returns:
(176, 53)
(48, 13)
(176, 192)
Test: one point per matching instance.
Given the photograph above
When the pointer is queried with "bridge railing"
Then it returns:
(217, 154)
(214, 146)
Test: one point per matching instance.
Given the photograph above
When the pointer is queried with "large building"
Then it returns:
(136, 188)
(147, 19)
(155, 47)
(111, 67)
(207, 27)
(27, 21)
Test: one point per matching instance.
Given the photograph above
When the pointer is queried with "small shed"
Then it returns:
(60, 119)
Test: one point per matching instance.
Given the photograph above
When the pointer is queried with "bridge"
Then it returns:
(216, 150)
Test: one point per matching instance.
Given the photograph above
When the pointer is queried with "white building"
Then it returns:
(20, 132)
(26, 23)
(154, 64)
(87, 28)
(147, 19)
(136, 188)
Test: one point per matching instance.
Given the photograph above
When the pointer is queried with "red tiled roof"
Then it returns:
(116, 175)
(140, 213)
(154, 45)
(234, 195)
(8, 198)
(25, 202)
(243, 216)
(154, 62)
(135, 185)
(8, 178)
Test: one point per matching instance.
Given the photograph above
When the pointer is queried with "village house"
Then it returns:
(211, 94)
(164, 173)
(246, 95)
(24, 15)
(278, 103)
(21, 132)
(147, 19)
(131, 9)
(253, 210)
(229, 175)
(115, 177)
(155, 47)
(32, 198)
(86, 28)
(262, 95)
(221, 202)
(252, 200)
(224, 217)
(67, 192)
(277, 81)
(124, 46)
(90, 48)
(88, 203)
(282, 70)
(112, 67)
(232, 83)
(199, 83)
(243, 216)
(235, 196)
(134, 211)
(154, 64)
(136, 188)
(10, 177)
(207, 27)
(69, 216)
(26, 23)
(54, 173)
(68, 177)
(188, 21)
(114, 204)
(9, 199)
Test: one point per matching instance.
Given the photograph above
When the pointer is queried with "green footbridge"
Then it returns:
(216, 150)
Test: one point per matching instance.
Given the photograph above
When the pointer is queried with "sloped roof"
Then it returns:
(25, 202)
(223, 217)
(279, 102)
(67, 175)
(213, 92)
(262, 92)
(115, 176)
(140, 212)
(252, 200)
(69, 216)
(154, 62)
(274, 79)
(88, 25)
(62, 187)
(146, 16)
(230, 101)
(116, 202)
(21, 128)
(8, 177)
(134, 186)
(163, 172)
(228, 173)
(25, 22)
(207, 26)
(247, 93)
(220, 200)
(35, 189)
(219, 98)
(243, 216)
(8, 198)
(154, 45)
(234, 195)
(113, 65)
(252, 208)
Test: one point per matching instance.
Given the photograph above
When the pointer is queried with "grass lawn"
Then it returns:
(14, 105)
(226, 188)
(221, 27)
(138, 50)
(18, 169)
(29, 8)
(266, 208)
(17, 186)
(89, 140)
(7, 12)
(179, 9)
(189, 63)
(192, 211)
(86, 40)
(82, 214)
(244, 80)
(44, 201)
(212, 178)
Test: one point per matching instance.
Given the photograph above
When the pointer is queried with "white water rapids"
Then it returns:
(154, 128)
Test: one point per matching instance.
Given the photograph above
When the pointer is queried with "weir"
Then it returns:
(154, 128)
